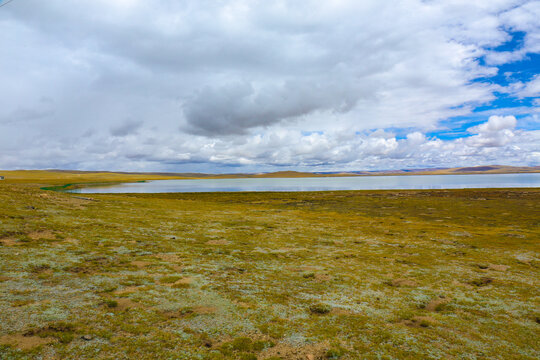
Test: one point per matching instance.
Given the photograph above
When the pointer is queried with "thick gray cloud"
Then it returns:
(126, 128)
(187, 85)
(235, 108)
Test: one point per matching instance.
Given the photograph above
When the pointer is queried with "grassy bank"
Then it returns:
(322, 275)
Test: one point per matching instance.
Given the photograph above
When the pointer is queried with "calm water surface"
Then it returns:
(325, 183)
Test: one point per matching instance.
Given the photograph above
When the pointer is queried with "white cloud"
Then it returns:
(496, 132)
(530, 89)
(522, 18)
(495, 141)
(214, 84)
(494, 124)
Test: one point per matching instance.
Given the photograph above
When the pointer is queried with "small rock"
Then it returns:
(87, 337)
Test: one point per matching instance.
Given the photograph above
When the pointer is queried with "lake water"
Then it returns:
(324, 183)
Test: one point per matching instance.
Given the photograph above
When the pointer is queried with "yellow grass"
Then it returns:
(315, 275)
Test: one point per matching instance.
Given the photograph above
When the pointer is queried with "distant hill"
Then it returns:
(486, 169)
(92, 176)
(490, 169)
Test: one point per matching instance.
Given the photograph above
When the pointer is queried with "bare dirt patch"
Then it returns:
(341, 312)
(42, 235)
(168, 257)
(217, 242)
(461, 284)
(140, 264)
(403, 283)
(287, 351)
(436, 304)
(127, 290)
(202, 310)
(184, 282)
(498, 267)
(25, 342)
(9, 242)
(177, 268)
(322, 277)
(125, 303)
(244, 305)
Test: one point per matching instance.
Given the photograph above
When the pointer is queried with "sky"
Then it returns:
(230, 86)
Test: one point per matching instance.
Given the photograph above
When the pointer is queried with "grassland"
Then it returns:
(319, 275)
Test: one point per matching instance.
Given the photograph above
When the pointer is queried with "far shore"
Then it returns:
(75, 177)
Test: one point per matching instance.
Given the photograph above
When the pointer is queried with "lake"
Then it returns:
(407, 182)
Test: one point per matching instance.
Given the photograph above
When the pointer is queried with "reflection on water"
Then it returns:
(325, 183)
